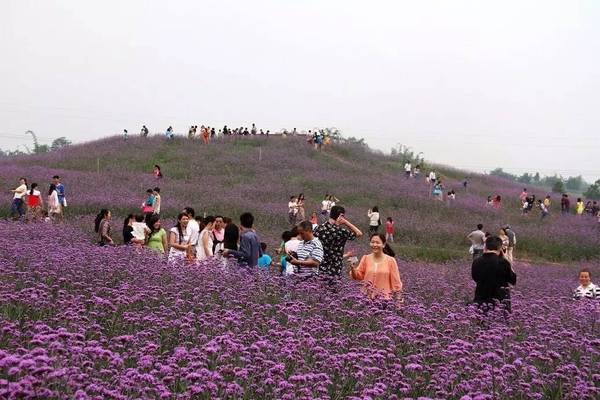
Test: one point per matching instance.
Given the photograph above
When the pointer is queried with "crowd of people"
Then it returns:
(28, 201)
(529, 202)
(313, 247)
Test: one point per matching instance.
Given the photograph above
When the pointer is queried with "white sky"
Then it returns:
(474, 84)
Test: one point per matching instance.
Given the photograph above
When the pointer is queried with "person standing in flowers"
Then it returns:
(157, 172)
(249, 250)
(301, 213)
(493, 275)
(579, 207)
(148, 204)
(179, 241)
(54, 208)
(204, 247)
(157, 238)
(380, 270)
(292, 210)
(543, 209)
(35, 203)
(218, 234)
(374, 219)
(586, 289)
(523, 196)
(389, 230)
(157, 201)
(102, 226)
(512, 242)
(192, 228)
(333, 235)
(565, 204)
(60, 190)
(205, 134)
(309, 253)
(17, 207)
(477, 239)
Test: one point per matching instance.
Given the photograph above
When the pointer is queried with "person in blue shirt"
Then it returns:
(249, 251)
(60, 190)
(264, 261)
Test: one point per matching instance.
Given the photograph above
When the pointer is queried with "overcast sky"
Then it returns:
(474, 84)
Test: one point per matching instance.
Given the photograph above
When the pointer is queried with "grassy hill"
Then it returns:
(259, 174)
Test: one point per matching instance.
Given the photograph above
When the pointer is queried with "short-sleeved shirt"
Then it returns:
(309, 250)
(60, 190)
(264, 261)
(20, 191)
(155, 241)
(333, 238)
(591, 291)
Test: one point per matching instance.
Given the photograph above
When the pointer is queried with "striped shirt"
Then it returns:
(591, 291)
(309, 250)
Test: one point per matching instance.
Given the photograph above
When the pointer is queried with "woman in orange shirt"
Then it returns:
(380, 270)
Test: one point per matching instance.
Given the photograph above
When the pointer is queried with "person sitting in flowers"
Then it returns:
(380, 270)
(586, 289)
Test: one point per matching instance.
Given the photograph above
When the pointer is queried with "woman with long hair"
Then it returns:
(34, 203)
(54, 208)
(380, 270)
(231, 237)
(128, 229)
(157, 238)
(179, 241)
(103, 228)
(205, 241)
(157, 172)
(300, 205)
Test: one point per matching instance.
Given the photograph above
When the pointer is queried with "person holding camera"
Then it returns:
(493, 275)
(309, 255)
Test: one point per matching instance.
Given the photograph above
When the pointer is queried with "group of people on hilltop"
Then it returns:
(28, 203)
(206, 133)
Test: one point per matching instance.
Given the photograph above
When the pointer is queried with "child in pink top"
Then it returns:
(389, 230)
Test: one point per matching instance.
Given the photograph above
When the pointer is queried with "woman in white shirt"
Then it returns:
(54, 209)
(586, 289)
(179, 240)
(204, 248)
(374, 220)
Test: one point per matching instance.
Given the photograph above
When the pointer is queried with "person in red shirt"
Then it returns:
(34, 203)
(389, 230)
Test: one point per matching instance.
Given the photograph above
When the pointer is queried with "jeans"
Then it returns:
(477, 253)
(17, 207)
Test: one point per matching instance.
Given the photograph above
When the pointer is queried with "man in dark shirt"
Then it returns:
(250, 250)
(493, 274)
(333, 235)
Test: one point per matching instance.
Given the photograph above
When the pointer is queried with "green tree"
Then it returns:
(501, 173)
(575, 183)
(536, 178)
(59, 142)
(525, 178)
(593, 192)
(558, 186)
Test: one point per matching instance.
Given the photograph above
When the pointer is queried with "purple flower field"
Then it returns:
(81, 321)
(227, 178)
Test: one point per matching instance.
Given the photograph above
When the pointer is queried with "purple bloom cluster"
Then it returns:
(80, 321)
